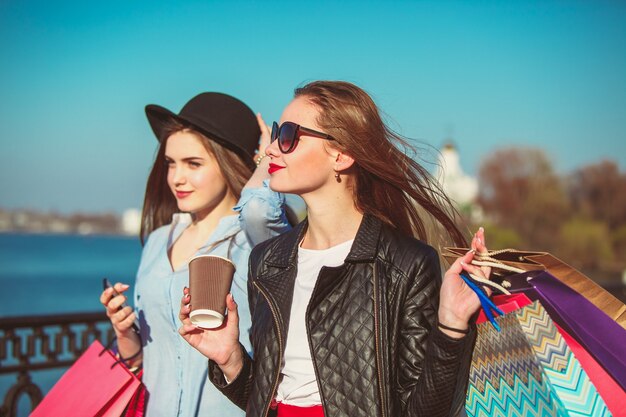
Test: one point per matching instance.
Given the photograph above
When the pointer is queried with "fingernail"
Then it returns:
(463, 263)
(125, 285)
(481, 229)
(472, 251)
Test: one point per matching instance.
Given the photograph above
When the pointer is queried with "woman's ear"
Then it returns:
(343, 161)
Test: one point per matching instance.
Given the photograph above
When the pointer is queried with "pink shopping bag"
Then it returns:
(97, 384)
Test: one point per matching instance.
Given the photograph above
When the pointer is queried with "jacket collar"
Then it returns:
(285, 250)
(365, 244)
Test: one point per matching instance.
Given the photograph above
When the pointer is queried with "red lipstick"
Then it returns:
(182, 194)
(273, 168)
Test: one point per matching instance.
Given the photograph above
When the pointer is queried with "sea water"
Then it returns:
(58, 274)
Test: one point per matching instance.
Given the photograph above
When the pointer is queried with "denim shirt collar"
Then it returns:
(228, 225)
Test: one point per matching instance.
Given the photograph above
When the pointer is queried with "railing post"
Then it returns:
(24, 385)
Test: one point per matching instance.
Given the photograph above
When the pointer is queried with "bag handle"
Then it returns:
(119, 359)
(492, 284)
(487, 259)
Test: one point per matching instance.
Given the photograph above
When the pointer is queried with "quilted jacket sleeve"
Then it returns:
(237, 390)
(435, 385)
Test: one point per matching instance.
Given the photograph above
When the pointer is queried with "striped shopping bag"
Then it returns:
(527, 369)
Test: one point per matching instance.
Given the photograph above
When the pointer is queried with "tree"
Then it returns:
(598, 192)
(519, 190)
(586, 244)
(618, 237)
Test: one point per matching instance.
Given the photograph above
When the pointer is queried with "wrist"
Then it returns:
(452, 332)
(132, 361)
(128, 343)
(128, 334)
(232, 367)
(450, 320)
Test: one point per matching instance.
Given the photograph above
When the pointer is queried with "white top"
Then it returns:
(298, 385)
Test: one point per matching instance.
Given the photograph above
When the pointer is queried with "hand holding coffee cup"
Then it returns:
(210, 278)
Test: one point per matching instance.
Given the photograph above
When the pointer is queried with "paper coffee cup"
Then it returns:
(210, 278)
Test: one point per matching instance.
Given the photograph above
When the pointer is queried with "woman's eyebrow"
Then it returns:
(187, 159)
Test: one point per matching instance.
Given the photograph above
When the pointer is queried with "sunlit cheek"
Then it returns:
(313, 167)
(205, 179)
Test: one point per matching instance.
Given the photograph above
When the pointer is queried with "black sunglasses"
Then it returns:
(288, 134)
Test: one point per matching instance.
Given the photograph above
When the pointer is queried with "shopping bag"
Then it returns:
(613, 395)
(521, 261)
(137, 404)
(97, 384)
(506, 303)
(602, 337)
(527, 369)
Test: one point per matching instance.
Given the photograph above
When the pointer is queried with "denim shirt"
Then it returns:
(175, 374)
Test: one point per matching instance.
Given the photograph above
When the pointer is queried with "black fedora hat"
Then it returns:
(220, 117)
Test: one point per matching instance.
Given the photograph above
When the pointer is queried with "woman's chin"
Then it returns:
(279, 186)
(184, 207)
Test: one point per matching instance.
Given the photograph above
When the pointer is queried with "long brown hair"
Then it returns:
(388, 183)
(159, 203)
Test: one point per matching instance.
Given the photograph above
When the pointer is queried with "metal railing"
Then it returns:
(30, 343)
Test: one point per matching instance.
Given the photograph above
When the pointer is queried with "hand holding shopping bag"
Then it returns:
(512, 261)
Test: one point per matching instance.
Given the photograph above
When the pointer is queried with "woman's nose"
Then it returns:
(178, 176)
(272, 149)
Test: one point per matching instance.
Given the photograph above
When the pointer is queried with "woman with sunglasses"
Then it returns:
(350, 315)
(205, 195)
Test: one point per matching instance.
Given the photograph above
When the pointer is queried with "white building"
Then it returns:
(461, 188)
(131, 222)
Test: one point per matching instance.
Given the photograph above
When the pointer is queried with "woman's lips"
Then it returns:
(273, 168)
(182, 194)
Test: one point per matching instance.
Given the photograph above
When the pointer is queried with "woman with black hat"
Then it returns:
(206, 194)
(350, 313)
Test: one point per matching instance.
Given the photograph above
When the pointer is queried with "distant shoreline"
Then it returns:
(35, 222)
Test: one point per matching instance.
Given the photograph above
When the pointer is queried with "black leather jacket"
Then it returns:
(371, 324)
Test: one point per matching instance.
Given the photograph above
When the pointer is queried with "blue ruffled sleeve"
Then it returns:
(262, 213)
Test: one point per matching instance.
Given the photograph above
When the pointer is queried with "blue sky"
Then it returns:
(75, 77)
